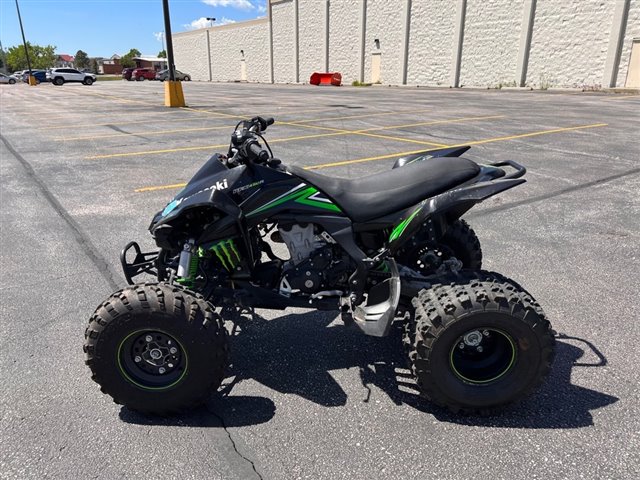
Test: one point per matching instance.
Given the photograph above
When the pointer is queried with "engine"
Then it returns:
(317, 263)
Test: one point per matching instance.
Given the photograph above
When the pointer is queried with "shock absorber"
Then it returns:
(188, 265)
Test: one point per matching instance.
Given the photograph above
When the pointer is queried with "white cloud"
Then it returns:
(202, 22)
(224, 21)
(159, 36)
(240, 4)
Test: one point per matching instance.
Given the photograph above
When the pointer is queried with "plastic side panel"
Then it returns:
(416, 216)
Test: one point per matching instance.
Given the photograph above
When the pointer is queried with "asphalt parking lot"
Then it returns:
(84, 169)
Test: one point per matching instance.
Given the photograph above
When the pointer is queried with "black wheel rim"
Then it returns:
(152, 359)
(482, 355)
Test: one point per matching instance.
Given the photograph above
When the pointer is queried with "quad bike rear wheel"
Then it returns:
(156, 348)
(478, 342)
(459, 241)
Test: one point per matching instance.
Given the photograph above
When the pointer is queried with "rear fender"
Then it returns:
(427, 154)
(457, 201)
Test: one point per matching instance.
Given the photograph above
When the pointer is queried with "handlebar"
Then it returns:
(252, 151)
(244, 141)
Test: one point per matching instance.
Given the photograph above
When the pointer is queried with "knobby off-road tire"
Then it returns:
(478, 342)
(156, 348)
(465, 244)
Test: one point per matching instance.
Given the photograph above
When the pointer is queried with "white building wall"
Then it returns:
(226, 43)
(632, 31)
(385, 21)
(431, 42)
(491, 42)
(570, 42)
(569, 45)
(311, 33)
(344, 38)
(190, 54)
(283, 48)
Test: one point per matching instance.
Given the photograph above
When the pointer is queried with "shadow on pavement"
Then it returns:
(295, 354)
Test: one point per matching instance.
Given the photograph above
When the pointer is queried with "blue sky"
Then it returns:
(104, 27)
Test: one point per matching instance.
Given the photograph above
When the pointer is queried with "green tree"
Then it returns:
(94, 65)
(162, 54)
(41, 57)
(82, 60)
(127, 59)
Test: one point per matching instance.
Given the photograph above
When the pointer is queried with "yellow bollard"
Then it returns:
(173, 96)
(32, 81)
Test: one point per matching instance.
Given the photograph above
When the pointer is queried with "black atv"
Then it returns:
(390, 245)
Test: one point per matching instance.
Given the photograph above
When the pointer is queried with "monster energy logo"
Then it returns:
(227, 253)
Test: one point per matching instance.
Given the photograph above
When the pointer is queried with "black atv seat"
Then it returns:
(387, 192)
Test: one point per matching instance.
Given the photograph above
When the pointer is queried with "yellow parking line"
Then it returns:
(160, 187)
(144, 134)
(436, 122)
(400, 139)
(361, 160)
(532, 134)
(349, 117)
(211, 112)
(155, 152)
(621, 97)
(115, 98)
(366, 132)
(211, 147)
(333, 133)
(91, 125)
(476, 142)
(75, 115)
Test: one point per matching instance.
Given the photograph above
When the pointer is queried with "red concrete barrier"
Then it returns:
(318, 78)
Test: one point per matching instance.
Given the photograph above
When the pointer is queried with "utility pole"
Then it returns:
(173, 96)
(32, 80)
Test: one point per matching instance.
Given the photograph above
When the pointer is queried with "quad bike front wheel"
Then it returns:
(156, 348)
(478, 342)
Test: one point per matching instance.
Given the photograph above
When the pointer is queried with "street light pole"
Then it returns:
(26, 50)
(211, 19)
(173, 96)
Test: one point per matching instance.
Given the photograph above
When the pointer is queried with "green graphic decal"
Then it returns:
(399, 230)
(301, 195)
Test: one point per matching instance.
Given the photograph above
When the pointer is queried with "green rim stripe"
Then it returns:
(124, 374)
(511, 362)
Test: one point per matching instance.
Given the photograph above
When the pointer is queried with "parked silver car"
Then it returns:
(163, 75)
(10, 79)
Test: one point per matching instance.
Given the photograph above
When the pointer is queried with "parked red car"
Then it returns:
(126, 73)
(140, 74)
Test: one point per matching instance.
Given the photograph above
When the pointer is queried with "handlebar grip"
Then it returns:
(269, 120)
(259, 155)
